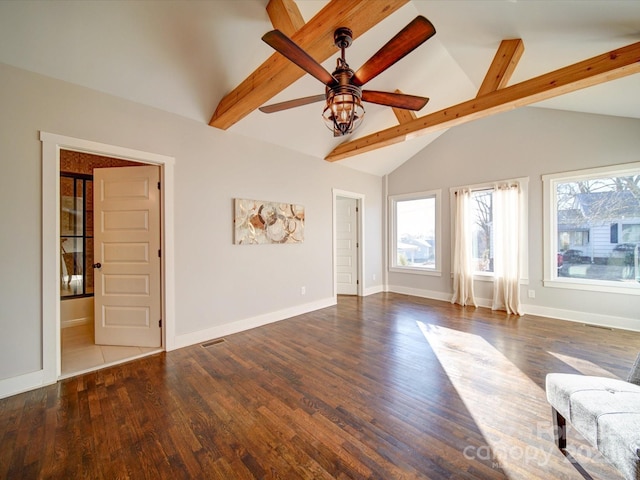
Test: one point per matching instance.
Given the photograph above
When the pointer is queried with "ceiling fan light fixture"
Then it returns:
(343, 112)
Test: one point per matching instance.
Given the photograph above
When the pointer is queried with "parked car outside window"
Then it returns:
(575, 256)
(573, 263)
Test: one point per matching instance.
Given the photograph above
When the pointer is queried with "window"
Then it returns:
(482, 230)
(480, 224)
(631, 233)
(576, 238)
(489, 240)
(415, 233)
(593, 219)
(76, 235)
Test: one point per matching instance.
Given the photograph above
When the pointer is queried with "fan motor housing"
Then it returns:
(343, 37)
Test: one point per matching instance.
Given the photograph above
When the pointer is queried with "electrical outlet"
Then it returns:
(303, 290)
(532, 294)
(374, 277)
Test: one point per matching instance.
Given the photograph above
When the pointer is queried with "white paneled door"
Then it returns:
(346, 246)
(127, 256)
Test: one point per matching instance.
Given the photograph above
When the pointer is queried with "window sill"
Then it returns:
(624, 288)
(490, 278)
(483, 277)
(416, 271)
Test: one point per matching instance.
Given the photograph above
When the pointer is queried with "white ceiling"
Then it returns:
(184, 56)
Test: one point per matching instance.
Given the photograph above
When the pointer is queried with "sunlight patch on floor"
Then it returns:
(585, 367)
(479, 372)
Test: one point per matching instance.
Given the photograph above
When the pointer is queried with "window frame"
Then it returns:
(83, 237)
(550, 228)
(523, 183)
(392, 205)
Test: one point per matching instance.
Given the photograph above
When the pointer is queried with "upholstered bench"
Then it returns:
(605, 411)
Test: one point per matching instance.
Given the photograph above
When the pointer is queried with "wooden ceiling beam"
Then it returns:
(600, 69)
(403, 115)
(316, 38)
(502, 66)
(285, 16)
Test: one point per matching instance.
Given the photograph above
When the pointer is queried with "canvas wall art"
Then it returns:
(259, 222)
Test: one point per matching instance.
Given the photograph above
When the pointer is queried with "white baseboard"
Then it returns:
(596, 319)
(373, 290)
(433, 295)
(417, 292)
(621, 323)
(241, 325)
(74, 322)
(22, 383)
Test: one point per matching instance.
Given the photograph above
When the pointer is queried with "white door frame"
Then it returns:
(360, 254)
(51, 146)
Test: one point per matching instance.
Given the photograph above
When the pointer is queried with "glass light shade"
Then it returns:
(343, 112)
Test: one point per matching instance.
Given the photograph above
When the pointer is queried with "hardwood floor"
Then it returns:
(383, 387)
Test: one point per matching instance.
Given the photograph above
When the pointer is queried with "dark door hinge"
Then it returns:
(160, 323)
(158, 185)
(159, 253)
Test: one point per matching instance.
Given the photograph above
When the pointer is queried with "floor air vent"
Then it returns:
(217, 341)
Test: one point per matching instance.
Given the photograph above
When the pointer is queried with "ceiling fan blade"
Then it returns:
(298, 102)
(397, 100)
(284, 45)
(408, 39)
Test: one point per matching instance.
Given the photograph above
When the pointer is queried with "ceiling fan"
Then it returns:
(343, 88)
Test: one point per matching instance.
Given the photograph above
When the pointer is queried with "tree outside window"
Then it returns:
(482, 230)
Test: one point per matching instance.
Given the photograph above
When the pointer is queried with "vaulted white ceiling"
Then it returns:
(184, 56)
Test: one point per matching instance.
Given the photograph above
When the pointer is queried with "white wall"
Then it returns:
(524, 142)
(217, 283)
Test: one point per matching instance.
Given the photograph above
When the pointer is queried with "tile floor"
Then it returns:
(80, 354)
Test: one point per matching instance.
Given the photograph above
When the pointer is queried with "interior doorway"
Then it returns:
(78, 324)
(52, 144)
(348, 243)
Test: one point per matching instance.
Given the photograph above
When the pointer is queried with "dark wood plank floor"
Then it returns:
(383, 387)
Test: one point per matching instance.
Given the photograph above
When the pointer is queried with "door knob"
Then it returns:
(97, 265)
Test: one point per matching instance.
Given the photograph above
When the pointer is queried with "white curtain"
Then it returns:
(462, 267)
(506, 266)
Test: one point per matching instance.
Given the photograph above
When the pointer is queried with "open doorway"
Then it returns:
(52, 144)
(78, 238)
(348, 250)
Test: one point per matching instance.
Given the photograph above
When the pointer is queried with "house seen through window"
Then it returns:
(596, 219)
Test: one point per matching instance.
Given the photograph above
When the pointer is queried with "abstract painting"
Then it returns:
(259, 222)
